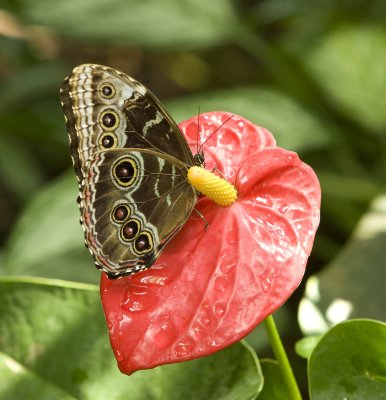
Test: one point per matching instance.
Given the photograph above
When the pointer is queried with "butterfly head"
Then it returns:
(199, 159)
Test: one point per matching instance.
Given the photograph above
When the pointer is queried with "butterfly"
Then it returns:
(137, 175)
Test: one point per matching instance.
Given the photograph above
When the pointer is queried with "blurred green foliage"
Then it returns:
(313, 73)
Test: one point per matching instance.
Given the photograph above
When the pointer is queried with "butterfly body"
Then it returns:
(132, 165)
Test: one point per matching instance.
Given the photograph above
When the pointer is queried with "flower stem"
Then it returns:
(282, 359)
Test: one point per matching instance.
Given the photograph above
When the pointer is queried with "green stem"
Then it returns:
(282, 359)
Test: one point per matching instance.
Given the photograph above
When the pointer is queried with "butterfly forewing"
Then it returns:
(131, 162)
(101, 103)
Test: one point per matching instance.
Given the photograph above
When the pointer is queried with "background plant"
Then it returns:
(312, 73)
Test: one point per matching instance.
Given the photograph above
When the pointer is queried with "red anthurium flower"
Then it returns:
(210, 288)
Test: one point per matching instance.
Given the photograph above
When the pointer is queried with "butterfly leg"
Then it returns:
(203, 218)
(215, 169)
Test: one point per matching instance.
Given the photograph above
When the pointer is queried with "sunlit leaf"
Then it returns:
(18, 382)
(305, 346)
(349, 362)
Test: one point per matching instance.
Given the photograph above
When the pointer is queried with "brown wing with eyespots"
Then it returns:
(131, 162)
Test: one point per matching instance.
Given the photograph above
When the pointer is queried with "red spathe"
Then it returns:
(210, 288)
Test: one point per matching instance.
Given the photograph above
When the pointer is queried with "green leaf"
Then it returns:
(349, 64)
(304, 347)
(19, 383)
(183, 23)
(56, 329)
(48, 239)
(273, 388)
(352, 285)
(233, 373)
(350, 362)
(14, 162)
(30, 84)
(345, 188)
(293, 126)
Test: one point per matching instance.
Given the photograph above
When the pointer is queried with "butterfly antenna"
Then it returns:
(217, 129)
(198, 128)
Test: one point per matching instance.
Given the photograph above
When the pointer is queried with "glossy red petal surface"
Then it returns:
(211, 288)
